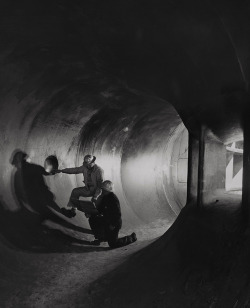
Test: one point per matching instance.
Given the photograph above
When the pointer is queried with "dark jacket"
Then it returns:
(110, 208)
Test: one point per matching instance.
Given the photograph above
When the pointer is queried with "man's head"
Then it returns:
(51, 164)
(18, 158)
(89, 161)
(108, 186)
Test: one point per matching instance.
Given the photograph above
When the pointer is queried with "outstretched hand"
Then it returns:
(57, 171)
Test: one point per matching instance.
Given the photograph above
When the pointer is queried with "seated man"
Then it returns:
(93, 178)
(109, 218)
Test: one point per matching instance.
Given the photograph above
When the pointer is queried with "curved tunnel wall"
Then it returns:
(133, 137)
(65, 71)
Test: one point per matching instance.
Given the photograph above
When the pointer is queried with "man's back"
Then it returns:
(110, 208)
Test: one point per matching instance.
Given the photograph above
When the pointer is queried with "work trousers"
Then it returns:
(97, 225)
(114, 241)
(80, 192)
(102, 232)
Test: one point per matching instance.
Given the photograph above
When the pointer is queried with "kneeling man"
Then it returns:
(109, 217)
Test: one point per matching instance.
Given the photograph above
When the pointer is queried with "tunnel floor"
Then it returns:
(192, 265)
(189, 266)
(47, 264)
(58, 279)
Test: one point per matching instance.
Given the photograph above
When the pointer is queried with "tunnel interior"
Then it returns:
(158, 92)
(143, 152)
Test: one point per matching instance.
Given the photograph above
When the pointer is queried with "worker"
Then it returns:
(109, 218)
(93, 178)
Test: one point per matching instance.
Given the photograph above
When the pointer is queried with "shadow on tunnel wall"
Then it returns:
(24, 228)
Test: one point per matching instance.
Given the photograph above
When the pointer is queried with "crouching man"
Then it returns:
(109, 219)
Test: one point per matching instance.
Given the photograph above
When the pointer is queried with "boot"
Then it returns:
(68, 213)
(133, 237)
(96, 242)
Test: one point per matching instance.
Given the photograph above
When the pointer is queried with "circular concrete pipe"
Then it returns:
(138, 140)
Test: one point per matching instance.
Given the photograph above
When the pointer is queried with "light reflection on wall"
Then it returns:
(149, 178)
(142, 170)
(140, 177)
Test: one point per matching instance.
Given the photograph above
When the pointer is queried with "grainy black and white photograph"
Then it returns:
(124, 154)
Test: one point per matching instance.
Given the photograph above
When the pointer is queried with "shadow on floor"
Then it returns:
(23, 231)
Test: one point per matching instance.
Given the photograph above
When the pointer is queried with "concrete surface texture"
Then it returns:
(156, 90)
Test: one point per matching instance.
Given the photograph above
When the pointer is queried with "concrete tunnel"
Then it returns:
(158, 92)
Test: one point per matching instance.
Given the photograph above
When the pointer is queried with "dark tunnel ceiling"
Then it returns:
(194, 54)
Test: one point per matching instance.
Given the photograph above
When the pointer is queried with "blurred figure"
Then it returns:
(93, 178)
(107, 224)
(51, 164)
(29, 185)
(34, 197)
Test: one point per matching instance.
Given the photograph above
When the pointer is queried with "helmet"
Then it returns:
(89, 159)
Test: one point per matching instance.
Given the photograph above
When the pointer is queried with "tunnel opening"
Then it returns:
(219, 180)
(234, 167)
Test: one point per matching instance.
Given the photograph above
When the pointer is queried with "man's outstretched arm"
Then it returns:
(75, 170)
